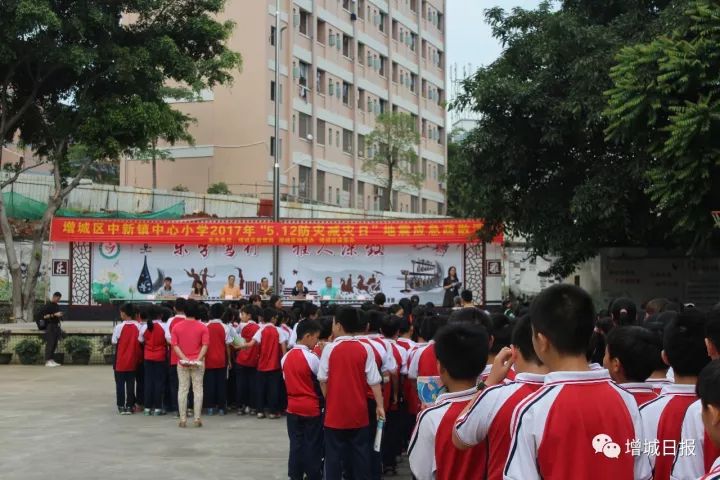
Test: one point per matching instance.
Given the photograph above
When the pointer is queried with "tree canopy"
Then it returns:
(393, 158)
(91, 78)
(539, 164)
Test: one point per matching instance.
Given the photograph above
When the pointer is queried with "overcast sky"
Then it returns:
(469, 37)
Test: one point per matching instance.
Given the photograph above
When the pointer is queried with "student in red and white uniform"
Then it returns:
(269, 372)
(371, 322)
(656, 324)
(177, 319)
(216, 361)
(308, 311)
(152, 336)
(708, 389)
(684, 350)
(475, 316)
(304, 420)
(423, 362)
(462, 352)
(487, 420)
(246, 361)
(696, 465)
(392, 442)
(500, 330)
(578, 423)
(347, 367)
(631, 353)
(127, 355)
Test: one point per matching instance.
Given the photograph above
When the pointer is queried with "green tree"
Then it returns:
(219, 188)
(394, 159)
(538, 164)
(166, 125)
(666, 100)
(86, 74)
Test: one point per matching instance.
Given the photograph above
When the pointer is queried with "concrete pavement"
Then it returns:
(62, 424)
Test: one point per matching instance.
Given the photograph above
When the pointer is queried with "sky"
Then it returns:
(469, 37)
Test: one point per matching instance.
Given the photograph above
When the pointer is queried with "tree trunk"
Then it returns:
(154, 164)
(387, 201)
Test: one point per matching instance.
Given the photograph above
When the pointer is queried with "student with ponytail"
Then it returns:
(152, 336)
(623, 311)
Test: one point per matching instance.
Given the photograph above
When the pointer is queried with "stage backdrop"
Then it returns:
(132, 271)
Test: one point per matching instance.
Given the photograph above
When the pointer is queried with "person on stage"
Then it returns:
(328, 290)
(299, 291)
(198, 291)
(265, 289)
(451, 284)
(167, 289)
(230, 290)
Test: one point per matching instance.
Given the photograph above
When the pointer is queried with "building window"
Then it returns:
(361, 53)
(305, 187)
(361, 146)
(424, 167)
(383, 65)
(346, 89)
(395, 202)
(305, 126)
(346, 5)
(304, 22)
(337, 196)
(347, 46)
(383, 106)
(320, 81)
(329, 197)
(361, 9)
(320, 192)
(383, 22)
(413, 5)
(321, 32)
(424, 205)
(272, 147)
(347, 141)
(413, 83)
(360, 203)
(272, 90)
(272, 36)
(414, 204)
(361, 99)
(320, 132)
(337, 138)
(395, 72)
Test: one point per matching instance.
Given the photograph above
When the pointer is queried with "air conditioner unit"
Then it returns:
(441, 185)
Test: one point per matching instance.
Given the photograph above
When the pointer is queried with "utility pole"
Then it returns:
(276, 158)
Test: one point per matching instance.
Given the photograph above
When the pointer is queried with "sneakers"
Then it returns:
(121, 410)
(260, 415)
(52, 363)
(210, 412)
(159, 412)
(147, 412)
(127, 411)
(273, 416)
(252, 411)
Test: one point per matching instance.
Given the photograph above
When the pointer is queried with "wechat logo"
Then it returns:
(604, 444)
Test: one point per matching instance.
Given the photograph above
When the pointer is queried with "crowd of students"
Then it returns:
(559, 392)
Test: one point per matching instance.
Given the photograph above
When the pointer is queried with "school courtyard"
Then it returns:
(62, 423)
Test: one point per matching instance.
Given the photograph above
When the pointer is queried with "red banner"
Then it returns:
(240, 232)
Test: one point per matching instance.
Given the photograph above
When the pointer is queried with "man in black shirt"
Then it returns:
(52, 315)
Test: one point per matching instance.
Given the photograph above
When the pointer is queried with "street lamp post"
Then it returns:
(276, 158)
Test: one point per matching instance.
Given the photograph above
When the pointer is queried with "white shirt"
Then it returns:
(118, 330)
(383, 348)
(144, 327)
(230, 333)
(414, 359)
(421, 451)
(371, 372)
(169, 323)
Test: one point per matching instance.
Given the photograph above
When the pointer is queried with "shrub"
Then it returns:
(219, 188)
(180, 188)
(28, 350)
(4, 339)
(78, 346)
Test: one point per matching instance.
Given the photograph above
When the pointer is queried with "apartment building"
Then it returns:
(342, 63)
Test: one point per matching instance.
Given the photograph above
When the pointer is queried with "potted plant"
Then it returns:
(4, 339)
(108, 350)
(28, 351)
(79, 349)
